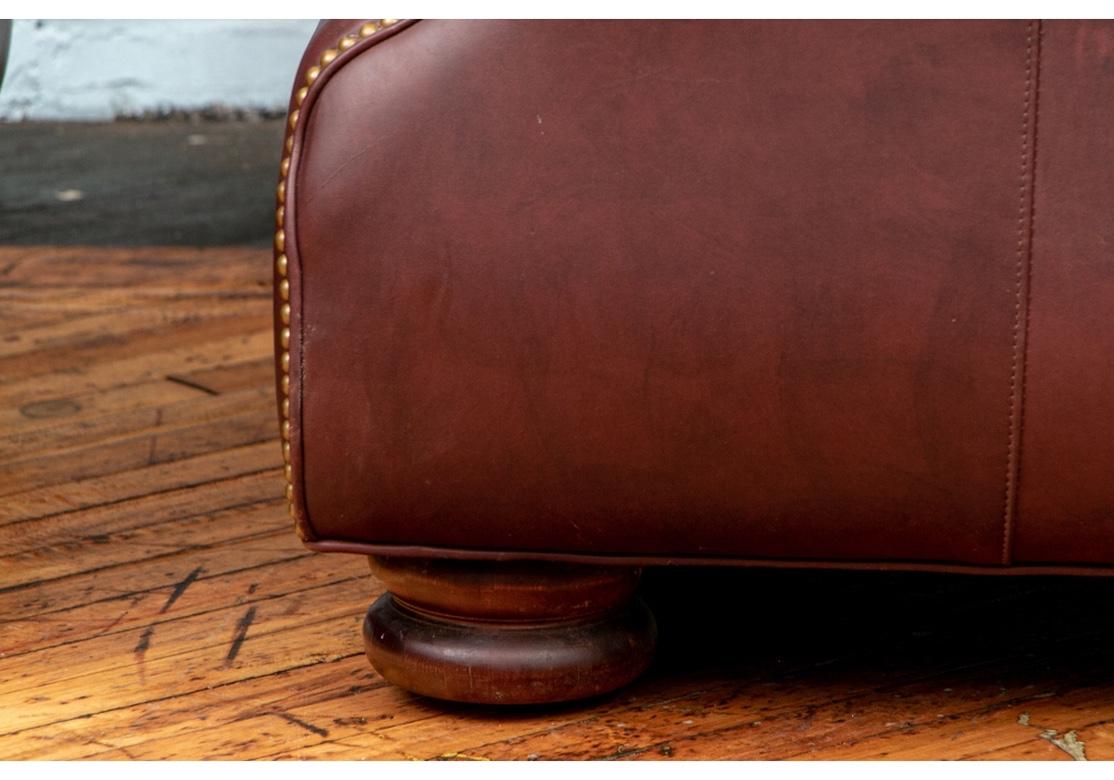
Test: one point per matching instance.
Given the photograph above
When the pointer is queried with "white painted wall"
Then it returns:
(97, 70)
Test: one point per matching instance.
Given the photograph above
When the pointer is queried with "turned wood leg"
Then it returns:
(507, 632)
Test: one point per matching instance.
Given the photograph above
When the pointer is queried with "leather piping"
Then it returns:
(605, 559)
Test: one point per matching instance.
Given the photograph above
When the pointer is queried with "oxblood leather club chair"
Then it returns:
(559, 300)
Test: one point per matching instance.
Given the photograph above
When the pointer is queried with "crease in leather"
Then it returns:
(1022, 287)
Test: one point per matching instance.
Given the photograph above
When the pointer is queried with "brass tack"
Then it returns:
(368, 29)
(312, 74)
(300, 95)
(284, 166)
(293, 513)
(286, 407)
(289, 145)
(285, 361)
(294, 118)
(286, 429)
(280, 215)
(284, 290)
(285, 384)
(284, 338)
(281, 264)
(280, 191)
(387, 22)
(280, 239)
(284, 314)
(289, 492)
(286, 452)
(328, 56)
(288, 472)
(347, 42)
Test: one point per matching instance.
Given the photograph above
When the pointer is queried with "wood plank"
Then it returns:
(147, 577)
(183, 656)
(236, 422)
(1024, 730)
(175, 635)
(98, 408)
(178, 270)
(195, 471)
(109, 733)
(129, 323)
(63, 438)
(108, 536)
(143, 368)
(149, 606)
(103, 347)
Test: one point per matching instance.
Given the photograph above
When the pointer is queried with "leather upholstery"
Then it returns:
(809, 293)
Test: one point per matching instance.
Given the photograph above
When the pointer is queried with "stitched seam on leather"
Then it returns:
(1022, 272)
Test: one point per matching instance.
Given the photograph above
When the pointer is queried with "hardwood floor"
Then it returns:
(154, 602)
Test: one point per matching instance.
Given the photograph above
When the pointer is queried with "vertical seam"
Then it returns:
(1022, 272)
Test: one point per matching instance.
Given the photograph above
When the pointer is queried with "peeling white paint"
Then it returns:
(1070, 743)
(101, 69)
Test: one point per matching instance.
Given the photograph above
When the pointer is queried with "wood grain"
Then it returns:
(154, 602)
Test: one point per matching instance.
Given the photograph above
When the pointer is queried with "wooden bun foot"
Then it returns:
(507, 632)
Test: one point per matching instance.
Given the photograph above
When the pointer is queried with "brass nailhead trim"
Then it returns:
(282, 264)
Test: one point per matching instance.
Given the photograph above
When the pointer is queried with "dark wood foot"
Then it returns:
(507, 632)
